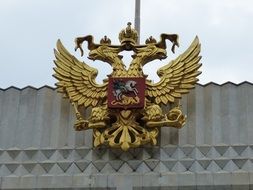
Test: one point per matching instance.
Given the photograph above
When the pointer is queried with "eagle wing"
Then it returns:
(77, 79)
(177, 77)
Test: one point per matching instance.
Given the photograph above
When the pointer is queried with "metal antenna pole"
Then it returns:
(137, 18)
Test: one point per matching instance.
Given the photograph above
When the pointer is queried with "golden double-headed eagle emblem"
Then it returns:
(125, 110)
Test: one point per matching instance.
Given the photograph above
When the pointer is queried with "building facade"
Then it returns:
(39, 149)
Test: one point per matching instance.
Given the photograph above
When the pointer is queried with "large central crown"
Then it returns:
(128, 35)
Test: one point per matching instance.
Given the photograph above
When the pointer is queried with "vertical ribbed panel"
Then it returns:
(25, 119)
(218, 115)
(188, 133)
(41, 118)
(44, 117)
(9, 119)
(214, 118)
(247, 89)
(244, 94)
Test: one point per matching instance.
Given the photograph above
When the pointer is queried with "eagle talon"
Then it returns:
(81, 125)
(153, 113)
(97, 125)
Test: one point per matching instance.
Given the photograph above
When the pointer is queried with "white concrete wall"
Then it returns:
(40, 149)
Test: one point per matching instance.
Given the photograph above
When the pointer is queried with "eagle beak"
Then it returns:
(162, 55)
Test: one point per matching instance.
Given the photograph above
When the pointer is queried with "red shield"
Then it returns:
(126, 92)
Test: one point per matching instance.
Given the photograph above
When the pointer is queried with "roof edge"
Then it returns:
(54, 88)
(27, 87)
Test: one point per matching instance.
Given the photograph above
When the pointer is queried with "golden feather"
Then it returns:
(77, 79)
(177, 77)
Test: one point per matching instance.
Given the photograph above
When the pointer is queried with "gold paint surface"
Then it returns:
(127, 128)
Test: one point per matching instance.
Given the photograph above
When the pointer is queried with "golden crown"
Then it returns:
(128, 35)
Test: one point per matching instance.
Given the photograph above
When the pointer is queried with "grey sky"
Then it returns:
(29, 30)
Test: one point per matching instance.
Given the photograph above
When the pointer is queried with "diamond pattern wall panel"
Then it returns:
(170, 158)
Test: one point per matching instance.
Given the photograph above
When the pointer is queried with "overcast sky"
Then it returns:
(29, 30)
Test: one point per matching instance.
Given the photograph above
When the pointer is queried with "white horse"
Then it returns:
(128, 87)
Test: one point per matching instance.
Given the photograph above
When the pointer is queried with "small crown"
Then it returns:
(151, 40)
(128, 35)
(105, 40)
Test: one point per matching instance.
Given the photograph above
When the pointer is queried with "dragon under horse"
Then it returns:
(133, 119)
